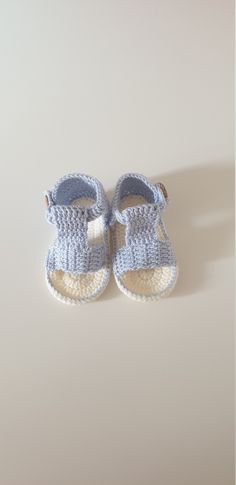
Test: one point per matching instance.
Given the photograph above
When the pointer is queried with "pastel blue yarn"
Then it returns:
(71, 251)
(142, 249)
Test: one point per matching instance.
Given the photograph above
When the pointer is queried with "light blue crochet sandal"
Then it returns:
(144, 262)
(77, 264)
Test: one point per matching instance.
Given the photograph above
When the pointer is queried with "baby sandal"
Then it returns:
(77, 264)
(144, 262)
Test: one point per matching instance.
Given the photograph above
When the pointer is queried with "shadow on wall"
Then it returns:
(200, 220)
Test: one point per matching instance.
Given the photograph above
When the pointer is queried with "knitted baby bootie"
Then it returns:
(144, 262)
(77, 264)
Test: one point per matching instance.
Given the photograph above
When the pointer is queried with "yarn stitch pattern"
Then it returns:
(141, 248)
(71, 252)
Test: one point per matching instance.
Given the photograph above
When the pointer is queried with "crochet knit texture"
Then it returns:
(144, 261)
(77, 264)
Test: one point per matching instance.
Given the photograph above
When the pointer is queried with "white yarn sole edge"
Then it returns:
(77, 302)
(145, 298)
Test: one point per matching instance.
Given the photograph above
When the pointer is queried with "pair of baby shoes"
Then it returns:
(78, 264)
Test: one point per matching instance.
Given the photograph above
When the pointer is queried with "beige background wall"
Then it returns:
(116, 392)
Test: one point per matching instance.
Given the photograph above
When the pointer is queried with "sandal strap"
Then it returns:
(70, 258)
(143, 249)
(71, 251)
(140, 222)
(144, 256)
(55, 211)
(71, 221)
